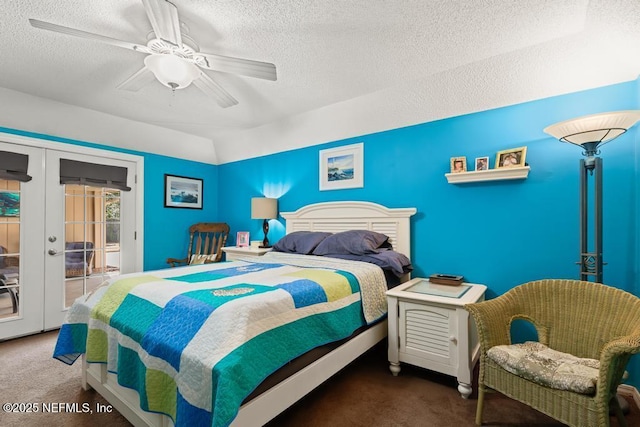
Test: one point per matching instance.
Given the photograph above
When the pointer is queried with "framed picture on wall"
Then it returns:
(458, 164)
(513, 157)
(342, 167)
(242, 239)
(182, 192)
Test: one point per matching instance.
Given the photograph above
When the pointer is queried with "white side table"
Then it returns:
(429, 327)
(233, 252)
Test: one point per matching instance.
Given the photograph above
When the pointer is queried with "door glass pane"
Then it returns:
(9, 249)
(92, 238)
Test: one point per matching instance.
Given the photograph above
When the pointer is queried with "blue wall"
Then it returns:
(165, 229)
(501, 234)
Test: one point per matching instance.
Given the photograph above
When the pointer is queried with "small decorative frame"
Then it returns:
(242, 239)
(513, 157)
(342, 167)
(458, 164)
(482, 163)
(182, 192)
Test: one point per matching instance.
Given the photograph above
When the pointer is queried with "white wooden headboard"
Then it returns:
(341, 216)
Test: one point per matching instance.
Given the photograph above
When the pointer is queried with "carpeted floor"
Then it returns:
(364, 394)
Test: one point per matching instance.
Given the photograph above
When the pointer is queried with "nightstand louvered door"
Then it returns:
(428, 333)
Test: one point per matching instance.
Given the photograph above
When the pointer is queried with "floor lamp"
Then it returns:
(590, 133)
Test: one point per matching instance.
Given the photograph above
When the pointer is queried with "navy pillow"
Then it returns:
(300, 242)
(388, 260)
(356, 242)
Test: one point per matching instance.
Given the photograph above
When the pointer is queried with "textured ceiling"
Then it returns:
(334, 58)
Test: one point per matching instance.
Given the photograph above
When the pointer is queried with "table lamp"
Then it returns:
(264, 208)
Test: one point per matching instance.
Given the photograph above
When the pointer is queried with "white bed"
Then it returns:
(329, 216)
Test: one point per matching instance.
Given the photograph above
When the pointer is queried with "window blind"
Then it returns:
(82, 173)
(13, 166)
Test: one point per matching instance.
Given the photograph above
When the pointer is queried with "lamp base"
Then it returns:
(265, 229)
(265, 247)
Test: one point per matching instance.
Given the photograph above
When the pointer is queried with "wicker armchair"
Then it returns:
(585, 319)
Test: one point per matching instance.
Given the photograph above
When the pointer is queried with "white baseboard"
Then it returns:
(631, 391)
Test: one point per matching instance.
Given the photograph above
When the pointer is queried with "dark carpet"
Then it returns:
(363, 394)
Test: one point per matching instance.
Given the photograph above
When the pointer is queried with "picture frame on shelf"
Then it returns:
(458, 164)
(482, 163)
(513, 157)
(342, 167)
(242, 239)
(182, 192)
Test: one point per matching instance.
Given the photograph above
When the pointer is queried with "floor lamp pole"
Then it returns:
(591, 264)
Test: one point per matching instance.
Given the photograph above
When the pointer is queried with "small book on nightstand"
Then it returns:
(445, 279)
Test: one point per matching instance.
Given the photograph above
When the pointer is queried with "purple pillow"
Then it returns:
(356, 242)
(388, 260)
(300, 242)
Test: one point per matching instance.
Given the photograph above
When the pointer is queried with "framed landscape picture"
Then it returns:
(182, 192)
(342, 167)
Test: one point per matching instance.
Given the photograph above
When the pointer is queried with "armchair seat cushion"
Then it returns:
(538, 363)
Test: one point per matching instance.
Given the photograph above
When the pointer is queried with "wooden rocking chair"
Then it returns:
(206, 240)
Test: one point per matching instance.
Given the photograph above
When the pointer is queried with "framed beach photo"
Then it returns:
(482, 163)
(342, 167)
(182, 192)
(458, 164)
(513, 157)
(242, 239)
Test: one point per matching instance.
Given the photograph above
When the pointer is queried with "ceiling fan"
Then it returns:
(173, 57)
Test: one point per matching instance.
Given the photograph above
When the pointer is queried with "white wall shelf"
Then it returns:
(488, 175)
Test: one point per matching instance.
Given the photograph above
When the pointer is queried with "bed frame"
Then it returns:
(329, 216)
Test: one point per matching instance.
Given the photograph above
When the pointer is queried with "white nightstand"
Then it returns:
(429, 327)
(233, 252)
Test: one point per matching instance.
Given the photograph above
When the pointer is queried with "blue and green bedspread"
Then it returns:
(196, 341)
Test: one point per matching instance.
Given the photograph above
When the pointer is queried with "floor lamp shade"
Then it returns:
(264, 208)
(594, 130)
(591, 132)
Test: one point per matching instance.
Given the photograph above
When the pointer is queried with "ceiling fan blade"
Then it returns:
(163, 16)
(137, 81)
(86, 35)
(214, 90)
(228, 64)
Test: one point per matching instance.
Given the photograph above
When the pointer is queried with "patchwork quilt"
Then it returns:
(196, 341)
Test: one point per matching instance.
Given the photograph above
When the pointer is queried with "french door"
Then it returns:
(61, 241)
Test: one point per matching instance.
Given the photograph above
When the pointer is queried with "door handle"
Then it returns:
(52, 252)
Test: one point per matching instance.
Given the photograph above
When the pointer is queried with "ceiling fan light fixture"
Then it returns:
(171, 70)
